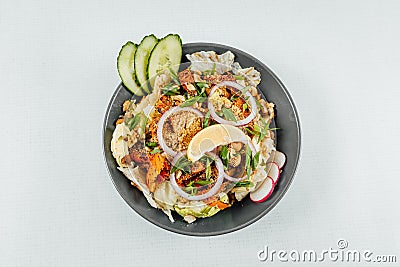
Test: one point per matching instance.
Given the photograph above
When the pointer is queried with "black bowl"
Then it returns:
(243, 213)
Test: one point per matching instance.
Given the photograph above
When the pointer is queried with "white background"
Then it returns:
(339, 59)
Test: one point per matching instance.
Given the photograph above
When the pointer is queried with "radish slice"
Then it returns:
(273, 171)
(251, 100)
(161, 122)
(271, 156)
(264, 191)
(277, 157)
(210, 192)
(280, 159)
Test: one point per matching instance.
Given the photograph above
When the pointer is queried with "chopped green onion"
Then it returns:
(224, 153)
(182, 164)
(208, 170)
(256, 128)
(228, 114)
(213, 69)
(255, 160)
(202, 182)
(234, 97)
(206, 121)
(241, 93)
(191, 101)
(250, 131)
(258, 103)
(151, 144)
(133, 121)
(274, 129)
(248, 161)
(261, 135)
(201, 90)
(155, 151)
(143, 124)
(190, 190)
(244, 184)
(238, 77)
(202, 85)
(260, 131)
(170, 89)
(174, 76)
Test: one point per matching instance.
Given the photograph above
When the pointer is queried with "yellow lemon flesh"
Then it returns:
(211, 137)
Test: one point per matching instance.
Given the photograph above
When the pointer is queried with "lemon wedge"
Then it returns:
(211, 137)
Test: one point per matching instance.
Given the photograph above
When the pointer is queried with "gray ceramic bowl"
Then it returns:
(243, 213)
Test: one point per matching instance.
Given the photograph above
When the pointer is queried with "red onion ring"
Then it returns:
(252, 102)
(210, 192)
(234, 179)
(161, 122)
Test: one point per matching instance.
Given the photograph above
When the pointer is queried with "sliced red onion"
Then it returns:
(210, 192)
(161, 122)
(234, 179)
(251, 100)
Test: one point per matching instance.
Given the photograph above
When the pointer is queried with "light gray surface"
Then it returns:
(339, 59)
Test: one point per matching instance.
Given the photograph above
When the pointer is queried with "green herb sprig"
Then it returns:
(201, 87)
(244, 184)
(143, 123)
(248, 161)
(208, 169)
(174, 76)
(240, 93)
(238, 77)
(170, 89)
(151, 144)
(155, 151)
(224, 154)
(228, 114)
(133, 122)
(190, 189)
(182, 164)
(203, 182)
(191, 101)
(255, 160)
(206, 121)
(260, 131)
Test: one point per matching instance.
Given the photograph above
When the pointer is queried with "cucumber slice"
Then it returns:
(126, 67)
(167, 53)
(141, 60)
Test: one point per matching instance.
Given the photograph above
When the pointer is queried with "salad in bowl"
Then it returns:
(197, 136)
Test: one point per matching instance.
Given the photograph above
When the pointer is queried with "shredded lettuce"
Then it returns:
(197, 209)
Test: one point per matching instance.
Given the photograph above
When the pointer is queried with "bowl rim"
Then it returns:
(281, 192)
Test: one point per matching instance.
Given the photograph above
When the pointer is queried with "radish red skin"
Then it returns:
(253, 195)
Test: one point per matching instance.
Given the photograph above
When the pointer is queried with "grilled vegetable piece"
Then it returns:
(157, 163)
